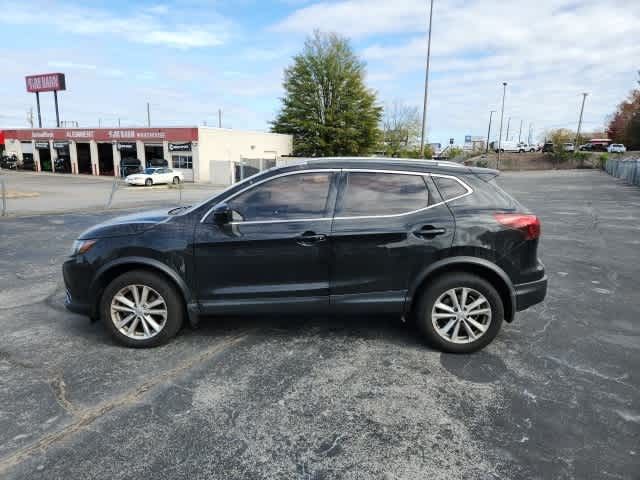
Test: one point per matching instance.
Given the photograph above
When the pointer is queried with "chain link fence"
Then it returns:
(627, 169)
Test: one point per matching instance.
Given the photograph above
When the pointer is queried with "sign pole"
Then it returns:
(38, 105)
(55, 100)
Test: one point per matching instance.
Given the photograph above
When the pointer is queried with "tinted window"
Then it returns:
(286, 198)
(382, 194)
(449, 188)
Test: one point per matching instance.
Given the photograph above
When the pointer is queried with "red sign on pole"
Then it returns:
(47, 82)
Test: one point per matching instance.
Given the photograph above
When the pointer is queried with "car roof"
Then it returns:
(379, 163)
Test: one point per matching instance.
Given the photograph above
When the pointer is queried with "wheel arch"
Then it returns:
(479, 266)
(110, 271)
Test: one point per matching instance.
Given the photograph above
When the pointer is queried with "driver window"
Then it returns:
(296, 196)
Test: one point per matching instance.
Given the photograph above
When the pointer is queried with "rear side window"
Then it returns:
(449, 188)
(375, 194)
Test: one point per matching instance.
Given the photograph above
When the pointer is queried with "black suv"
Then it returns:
(435, 242)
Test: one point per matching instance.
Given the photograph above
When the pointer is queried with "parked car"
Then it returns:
(525, 147)
(62, 165)
(547, 147)
(9, 162)
(130, 166)
(436, 243)
(587, 147)
(157, 162)
(155, 176)
(616, 148)
(568, 147)
(507, 146)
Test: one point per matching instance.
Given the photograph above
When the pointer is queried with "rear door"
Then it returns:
(388, 227)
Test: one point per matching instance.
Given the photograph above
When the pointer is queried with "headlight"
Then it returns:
(82, 246)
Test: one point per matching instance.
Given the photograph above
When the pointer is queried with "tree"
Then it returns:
(624, 124)
(327, 107)
(400, 129)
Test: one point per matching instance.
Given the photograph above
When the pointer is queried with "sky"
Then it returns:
(190, 58)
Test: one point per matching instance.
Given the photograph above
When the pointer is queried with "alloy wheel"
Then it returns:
(461, 315)
(139, 312)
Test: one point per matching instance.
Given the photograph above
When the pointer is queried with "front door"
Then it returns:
(275, 254)
(388, 226)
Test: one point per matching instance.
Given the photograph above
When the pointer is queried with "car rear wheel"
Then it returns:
(141, 309)
(176, 180)
(148, 182)
(460, 313)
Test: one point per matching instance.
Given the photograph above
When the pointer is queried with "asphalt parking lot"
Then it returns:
(557, 395)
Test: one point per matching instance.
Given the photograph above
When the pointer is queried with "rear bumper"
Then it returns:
(528, 294)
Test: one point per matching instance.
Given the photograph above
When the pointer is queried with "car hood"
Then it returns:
(127, 224)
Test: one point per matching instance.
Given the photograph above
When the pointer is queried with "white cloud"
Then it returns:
(548, 50)
(147, 25)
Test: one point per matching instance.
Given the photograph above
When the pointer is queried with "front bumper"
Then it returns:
(528, 294)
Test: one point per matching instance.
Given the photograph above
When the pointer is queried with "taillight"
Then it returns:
(528, 224)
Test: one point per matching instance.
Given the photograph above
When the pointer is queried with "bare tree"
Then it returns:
(400, 128)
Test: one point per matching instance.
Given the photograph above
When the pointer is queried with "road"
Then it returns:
(63, 193)
(557, 395)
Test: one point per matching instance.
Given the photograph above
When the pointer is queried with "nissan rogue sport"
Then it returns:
(436, 243)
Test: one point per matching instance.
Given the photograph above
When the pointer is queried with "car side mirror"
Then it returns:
(222, 214)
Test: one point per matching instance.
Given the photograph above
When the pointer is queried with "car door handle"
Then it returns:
(429, 231)
(310, 238)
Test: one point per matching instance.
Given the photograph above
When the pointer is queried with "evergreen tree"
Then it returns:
(326, 106)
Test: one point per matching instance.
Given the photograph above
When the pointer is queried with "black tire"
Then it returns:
(172, 300)
(148, 182)
(176, 180)
(446, 282)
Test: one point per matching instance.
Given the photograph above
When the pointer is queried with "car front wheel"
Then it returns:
(148, 182)
(141, 309)
(460, 313)
(176, 180)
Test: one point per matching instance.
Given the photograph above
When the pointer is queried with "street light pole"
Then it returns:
(508, 126)
(584, 98)
(504, 93)
(426, 83)
(489, 130)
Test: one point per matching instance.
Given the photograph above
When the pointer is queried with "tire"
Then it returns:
(437, 292)
(149, 335)
(148, 182)
(176, 180)
(502, 150)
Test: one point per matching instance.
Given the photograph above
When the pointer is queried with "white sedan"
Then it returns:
(616, 148)
(155, 176)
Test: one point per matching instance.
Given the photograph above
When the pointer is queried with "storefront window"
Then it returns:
(182, 161)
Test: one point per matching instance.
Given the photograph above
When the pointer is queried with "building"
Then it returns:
(203, 154)
(474, 144)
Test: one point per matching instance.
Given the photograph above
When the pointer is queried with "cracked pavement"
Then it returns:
(557, 395)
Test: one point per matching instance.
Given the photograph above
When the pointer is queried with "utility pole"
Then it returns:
(30, 117)
(219, 118)
(148, 116)
(530, 133)
(426, 83)
(504, 93)
(489, 130)
(520, 132)
(584, 98)
(118, 122)
(508, 125)
(99, 122)
(38, 105)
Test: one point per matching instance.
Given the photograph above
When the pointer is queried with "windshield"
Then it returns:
(150, 171)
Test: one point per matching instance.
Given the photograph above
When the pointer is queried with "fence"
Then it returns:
(628, 170)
